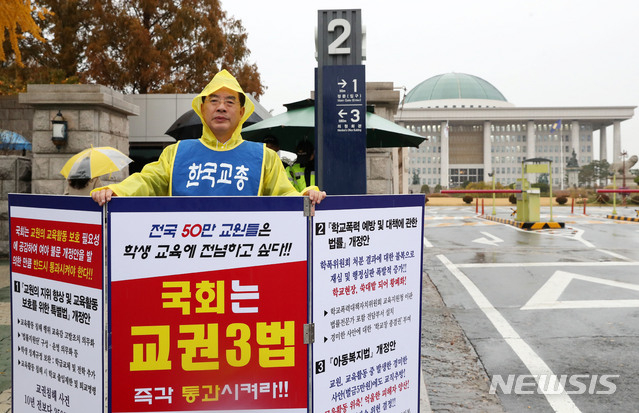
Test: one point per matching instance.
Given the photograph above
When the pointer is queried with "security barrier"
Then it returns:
(183, 304)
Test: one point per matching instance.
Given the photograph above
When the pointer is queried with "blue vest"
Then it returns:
(200, 171)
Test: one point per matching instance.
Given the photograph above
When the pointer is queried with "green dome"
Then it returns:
(454, 86)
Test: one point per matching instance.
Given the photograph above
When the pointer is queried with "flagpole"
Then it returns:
(561, 159)
(561, 156)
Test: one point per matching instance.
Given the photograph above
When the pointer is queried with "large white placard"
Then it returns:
(56, 307)
(366, 309)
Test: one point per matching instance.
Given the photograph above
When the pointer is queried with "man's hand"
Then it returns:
(102, 196)
(315, 196)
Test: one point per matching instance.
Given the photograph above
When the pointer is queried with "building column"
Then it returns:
(616, 141)
(531, 142)
(603, 144)
(574, 138)
(488, 159)
(444, 136)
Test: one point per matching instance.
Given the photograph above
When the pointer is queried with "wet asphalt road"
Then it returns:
(540, 306)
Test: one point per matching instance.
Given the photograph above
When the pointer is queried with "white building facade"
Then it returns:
(473, 130)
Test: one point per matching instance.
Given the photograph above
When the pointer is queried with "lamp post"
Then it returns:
(59, 134)
(623, 176)
(492, 174)
(614, 195)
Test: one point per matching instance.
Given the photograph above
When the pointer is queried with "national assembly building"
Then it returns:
(472, 130)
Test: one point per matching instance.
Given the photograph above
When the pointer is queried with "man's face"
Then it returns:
(222, 112)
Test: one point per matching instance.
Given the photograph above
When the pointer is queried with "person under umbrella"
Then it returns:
(81, 186)
(83, 170)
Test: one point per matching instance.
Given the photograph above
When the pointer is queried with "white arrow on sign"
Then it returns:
(547, 297)
(342, 83)
(341, 113)
(491, 240)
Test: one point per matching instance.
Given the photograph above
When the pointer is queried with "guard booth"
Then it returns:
(205, 304)
(528, 201)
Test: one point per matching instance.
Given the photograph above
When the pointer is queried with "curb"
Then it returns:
(619, 218)
(527, 225)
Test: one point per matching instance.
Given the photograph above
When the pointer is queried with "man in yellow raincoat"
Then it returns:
(219, 163)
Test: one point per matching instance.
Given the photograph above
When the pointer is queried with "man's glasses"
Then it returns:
(228, 101)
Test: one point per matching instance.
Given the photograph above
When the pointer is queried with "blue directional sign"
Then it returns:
(344, 130)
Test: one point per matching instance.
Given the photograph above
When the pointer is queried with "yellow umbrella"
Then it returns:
(94, 162)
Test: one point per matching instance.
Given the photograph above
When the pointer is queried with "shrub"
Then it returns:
(512, 199)
(635, 199)
(467, 199)
(544, 188)
(561, 200)
(603, 198)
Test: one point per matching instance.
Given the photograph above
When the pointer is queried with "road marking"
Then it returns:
(490, 240)
(547, 264)
(438, 218)
(427, 243)
(614, 254)
(547, 297)
(559, 400)
(460, 224)
(578, 236)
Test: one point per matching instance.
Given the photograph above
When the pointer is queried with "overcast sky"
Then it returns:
(536, 52)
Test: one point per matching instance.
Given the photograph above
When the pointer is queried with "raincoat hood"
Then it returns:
(220, 80)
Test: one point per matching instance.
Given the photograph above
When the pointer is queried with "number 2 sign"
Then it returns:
(339, 38)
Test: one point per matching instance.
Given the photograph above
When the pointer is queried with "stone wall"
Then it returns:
(16, 117)
(15, 177)
(385, 172)
(15, 170)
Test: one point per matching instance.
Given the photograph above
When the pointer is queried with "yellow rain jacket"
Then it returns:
(155, 177)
